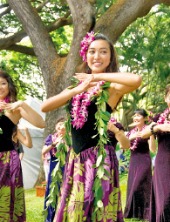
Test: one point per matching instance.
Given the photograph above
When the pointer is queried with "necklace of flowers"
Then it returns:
(164, 117)
(80, 102)
(135, 141)
(6, 100)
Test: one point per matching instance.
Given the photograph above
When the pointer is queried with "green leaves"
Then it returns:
(144, 49)
(102, 117)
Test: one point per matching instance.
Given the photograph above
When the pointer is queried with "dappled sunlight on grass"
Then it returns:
(34, 206)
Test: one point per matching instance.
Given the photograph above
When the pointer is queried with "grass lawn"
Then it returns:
(34, 204)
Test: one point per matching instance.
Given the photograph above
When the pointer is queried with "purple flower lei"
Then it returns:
(164, 117)
(87, 40)
(80, 103)
(136, 140)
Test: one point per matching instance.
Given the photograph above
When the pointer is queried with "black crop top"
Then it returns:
(82, 138)
(7, 128)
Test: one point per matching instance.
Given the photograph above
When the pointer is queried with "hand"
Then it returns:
(13, 106)
(138, 134)
(112, 127)
(135, 135)
(3, 105)
(83, 76)
(85, 84)
(133, 124)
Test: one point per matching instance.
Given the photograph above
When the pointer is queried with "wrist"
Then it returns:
(97, 77)
(153, 129)
(20, 103)
(118, 131)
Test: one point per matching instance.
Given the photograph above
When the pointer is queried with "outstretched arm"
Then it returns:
(121, 82)
(23, 110)
(154, 128)
(62, 98)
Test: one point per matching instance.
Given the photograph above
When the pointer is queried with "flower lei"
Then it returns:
(80, 102)
(6, 100)
(87, 40)
(164, 117)
(136, 140)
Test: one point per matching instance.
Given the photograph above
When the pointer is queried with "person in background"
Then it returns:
(160, 196)
(11, 181)
(140, 169)
(51, 143)
(20, 138)
(84, 196)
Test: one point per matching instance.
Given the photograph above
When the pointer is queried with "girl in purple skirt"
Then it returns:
(12, 203)
(90, 189)
(140, 170)
(160, 196)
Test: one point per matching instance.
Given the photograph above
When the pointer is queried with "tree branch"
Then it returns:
(22, 49)
(123, 12)
(8, 9)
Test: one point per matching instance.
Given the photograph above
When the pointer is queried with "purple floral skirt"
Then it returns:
(76, 201)
(12, 201)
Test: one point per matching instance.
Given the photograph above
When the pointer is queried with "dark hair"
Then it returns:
(12, 88)
(167, 90)
(113, 66)
(142, 112)
(61, 119)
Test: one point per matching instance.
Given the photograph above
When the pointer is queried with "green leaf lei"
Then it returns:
(57, 173)
(102, 117)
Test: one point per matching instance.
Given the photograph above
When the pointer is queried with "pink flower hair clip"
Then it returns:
(87, 40)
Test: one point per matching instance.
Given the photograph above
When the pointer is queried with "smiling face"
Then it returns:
(60, 128)
(98, 56)
(138, 119)
(4, 88)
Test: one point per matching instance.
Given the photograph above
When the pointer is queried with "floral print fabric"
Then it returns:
(12, 202)
(75, 203)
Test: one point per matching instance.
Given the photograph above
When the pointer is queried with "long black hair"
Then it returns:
(12, 88)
